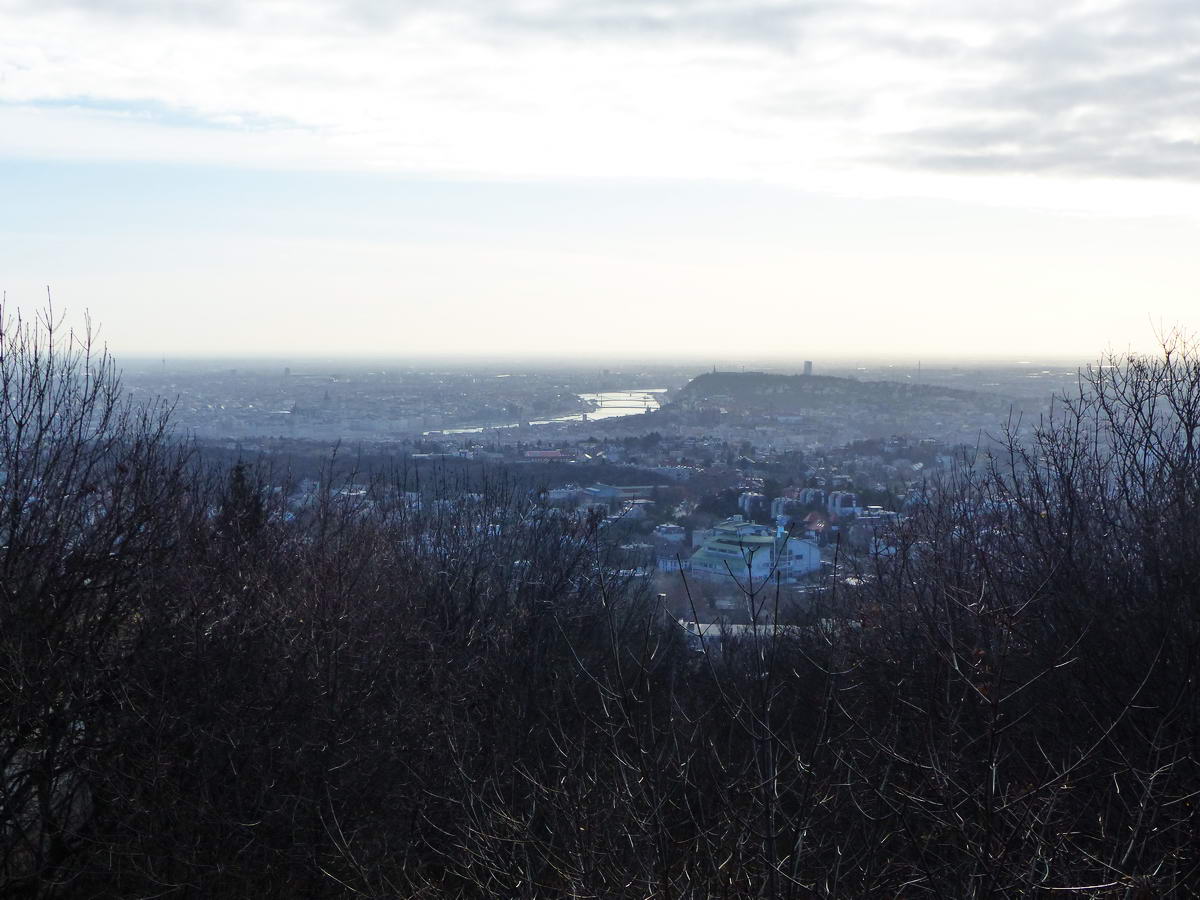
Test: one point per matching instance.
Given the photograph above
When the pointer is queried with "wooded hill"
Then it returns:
(770, 394)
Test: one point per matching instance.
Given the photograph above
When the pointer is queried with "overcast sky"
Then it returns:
(626, 177)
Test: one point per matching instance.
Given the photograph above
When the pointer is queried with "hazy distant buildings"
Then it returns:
(671, 533)
(752, 504)
(808, 367)
(843, 503)
(619, 496)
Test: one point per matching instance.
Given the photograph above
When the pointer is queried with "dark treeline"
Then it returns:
(205, 692)
(341, 464)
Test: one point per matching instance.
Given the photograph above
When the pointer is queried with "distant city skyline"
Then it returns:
(604, 179)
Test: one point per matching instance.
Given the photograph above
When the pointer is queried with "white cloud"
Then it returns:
(1008, 102)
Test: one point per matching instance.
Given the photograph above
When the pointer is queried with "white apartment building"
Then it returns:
(753, 554)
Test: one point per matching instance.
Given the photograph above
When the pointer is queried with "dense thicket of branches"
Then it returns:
(426, 691)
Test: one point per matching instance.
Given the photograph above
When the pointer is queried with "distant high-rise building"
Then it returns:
(808, 367)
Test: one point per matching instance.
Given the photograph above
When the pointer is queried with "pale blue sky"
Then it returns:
(750, 178)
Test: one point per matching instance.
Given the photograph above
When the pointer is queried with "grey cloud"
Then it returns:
(771, 24)
(878, 39)
(800, 102)
(1077, 155)
(762, 22)
(749, 22)
(1105, 146)
(1085, 94)
(182, 12)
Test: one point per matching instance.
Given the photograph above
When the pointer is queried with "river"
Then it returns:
(608, 405)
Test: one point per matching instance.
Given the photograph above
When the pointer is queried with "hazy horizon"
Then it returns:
(539, 361)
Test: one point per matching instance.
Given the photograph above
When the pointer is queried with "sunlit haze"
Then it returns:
(604, 178)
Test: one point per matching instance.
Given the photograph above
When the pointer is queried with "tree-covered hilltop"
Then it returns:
(767, 393)
(216, 683)
(823, 404)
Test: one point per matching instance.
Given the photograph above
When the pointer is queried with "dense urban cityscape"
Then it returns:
(826, 466)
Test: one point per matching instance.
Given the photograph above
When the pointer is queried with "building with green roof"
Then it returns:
(753, 554)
